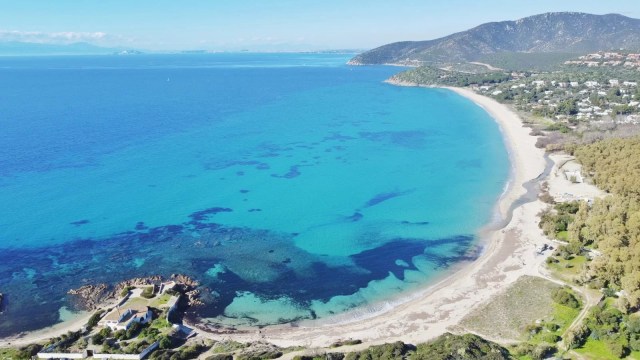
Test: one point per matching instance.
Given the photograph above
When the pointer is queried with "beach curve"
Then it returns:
(508, 254)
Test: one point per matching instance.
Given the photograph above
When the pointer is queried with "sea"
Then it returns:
(293, 187)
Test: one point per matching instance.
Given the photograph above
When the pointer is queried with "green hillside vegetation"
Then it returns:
(527, 61)
(427, 75)
(612, 224)
(454, 347)
(609, 230)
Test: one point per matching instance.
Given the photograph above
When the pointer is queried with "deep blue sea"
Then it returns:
(292, 186)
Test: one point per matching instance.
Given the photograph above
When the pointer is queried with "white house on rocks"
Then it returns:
(121, 319)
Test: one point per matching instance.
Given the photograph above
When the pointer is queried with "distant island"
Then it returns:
(18, 48)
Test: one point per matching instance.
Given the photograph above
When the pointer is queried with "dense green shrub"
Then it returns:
(29, 351)
(220, 357)
(577, 337)
(94, 319)
(133, 330)
(396, 350)
(453, 347)
(97, 339)
(564, 297)
(164, 342)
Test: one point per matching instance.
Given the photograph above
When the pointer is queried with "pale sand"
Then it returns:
(564, 190)
(509, 253)
(43, 335)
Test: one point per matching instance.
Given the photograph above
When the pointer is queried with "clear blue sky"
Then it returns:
(265, 25)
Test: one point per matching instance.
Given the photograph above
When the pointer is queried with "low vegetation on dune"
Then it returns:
(445, 347)
(509, 315)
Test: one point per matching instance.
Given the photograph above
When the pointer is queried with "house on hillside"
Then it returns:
(121, 319)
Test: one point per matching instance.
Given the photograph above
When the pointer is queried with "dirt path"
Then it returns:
(488, 66)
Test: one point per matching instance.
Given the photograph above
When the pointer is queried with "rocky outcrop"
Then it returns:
(193, 298)
(140, 281)
(1, 303)
(185, 280)
(90, 297)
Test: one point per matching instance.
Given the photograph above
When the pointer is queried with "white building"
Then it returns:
(574, 176)
(121, 319)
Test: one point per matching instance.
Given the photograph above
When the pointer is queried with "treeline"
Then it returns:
(611, 225)
(427, 75)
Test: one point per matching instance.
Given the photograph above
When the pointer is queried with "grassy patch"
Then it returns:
(160, 323)
(227, 347)
(8, 354)
(562, 235)
(595, 349)
(135, 302)
(568, 270)
(554, 326)
(564, 316)
(160, 300)
(509, 313)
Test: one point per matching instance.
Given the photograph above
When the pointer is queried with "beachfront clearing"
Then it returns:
(507, 316)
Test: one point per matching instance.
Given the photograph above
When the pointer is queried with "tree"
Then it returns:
(164, 342)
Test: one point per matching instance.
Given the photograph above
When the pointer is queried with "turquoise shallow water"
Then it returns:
(293, 186)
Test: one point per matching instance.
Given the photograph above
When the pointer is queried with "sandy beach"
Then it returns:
(508, 253)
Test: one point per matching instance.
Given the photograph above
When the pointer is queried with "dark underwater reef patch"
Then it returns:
(357, 216)
(219, 165)
(412, 139)
(80, 222)
(35, 281)
(294, 171)
(378, 198)
(203, 215)
(337, 136)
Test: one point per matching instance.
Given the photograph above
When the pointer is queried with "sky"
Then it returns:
(267, 25)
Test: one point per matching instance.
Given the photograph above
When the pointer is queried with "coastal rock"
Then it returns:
(89, 297)
(149, 280)
(185, 280)
(193, 298)
(1, 303)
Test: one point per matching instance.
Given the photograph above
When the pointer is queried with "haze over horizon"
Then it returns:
(282, 25)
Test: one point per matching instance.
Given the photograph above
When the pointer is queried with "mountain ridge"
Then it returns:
(567, 32)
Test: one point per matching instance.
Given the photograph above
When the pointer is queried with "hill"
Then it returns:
(563, 34)
(17, 48)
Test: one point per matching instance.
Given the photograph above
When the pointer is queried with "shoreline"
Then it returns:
(507, 253)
